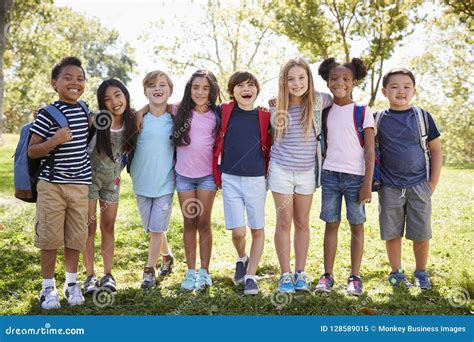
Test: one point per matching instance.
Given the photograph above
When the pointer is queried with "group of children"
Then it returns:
(307, 139)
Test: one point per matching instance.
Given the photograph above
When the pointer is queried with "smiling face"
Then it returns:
(200, 89)
(70, 84)
(399, 91)
(297, 82)
(115, 101)
(340, 83)
(158, 91)
(245, 94)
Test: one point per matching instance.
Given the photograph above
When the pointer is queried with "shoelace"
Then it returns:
(302, 276)
(74, 291)
(287, 279)
(166, 265)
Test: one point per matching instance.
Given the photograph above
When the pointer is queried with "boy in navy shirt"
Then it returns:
(409, 178)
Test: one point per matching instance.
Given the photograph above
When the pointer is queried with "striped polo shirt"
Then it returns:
(71, 161)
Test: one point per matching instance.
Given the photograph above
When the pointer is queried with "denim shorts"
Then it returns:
(186, 184)
(338, 184)
(406, 210)
(244, 194)
(155, 212)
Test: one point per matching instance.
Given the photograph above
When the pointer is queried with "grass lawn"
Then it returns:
(450, 263)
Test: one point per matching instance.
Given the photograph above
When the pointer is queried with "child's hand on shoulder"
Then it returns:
(365, 194)
(272, 102)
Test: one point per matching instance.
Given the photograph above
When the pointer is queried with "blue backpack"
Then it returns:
(27, 170)
(358, 117)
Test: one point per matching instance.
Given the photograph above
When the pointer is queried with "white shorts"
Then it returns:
(291, 182)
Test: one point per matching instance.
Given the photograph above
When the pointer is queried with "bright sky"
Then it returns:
(132, 18)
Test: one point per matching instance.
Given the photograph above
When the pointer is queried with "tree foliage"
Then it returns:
(445, 86)
(37, 40)
(333, 28)
(463, 9)
(223, 41)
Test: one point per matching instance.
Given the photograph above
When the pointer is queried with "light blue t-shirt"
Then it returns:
(152, 166)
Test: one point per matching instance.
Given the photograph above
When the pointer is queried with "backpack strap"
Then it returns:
(422, 123)
(57, 115)
(265, 135)
(226, 111)
(359, 116)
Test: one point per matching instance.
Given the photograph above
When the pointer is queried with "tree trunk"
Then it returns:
(5, 13)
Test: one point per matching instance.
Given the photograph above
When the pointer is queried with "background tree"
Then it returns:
(223, 40)
(445, 84)
(463, 9)
(329, 28)
(40, 39)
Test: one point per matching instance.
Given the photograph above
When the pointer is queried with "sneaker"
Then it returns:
(422, 280)
(286, 283)
(397, 278)
(325, 283)
(91, 285)
(240, 271)
(203, 280)
(73, 294)
(302, 282)
(49, 299)
(251, 287)
(354, 285)
(167, 265)
(189, 281)
(149, 279)
(108, 282)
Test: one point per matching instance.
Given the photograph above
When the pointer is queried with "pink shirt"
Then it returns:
(344, 153)
(195, 160)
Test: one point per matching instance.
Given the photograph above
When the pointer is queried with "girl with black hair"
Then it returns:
(114, 139)
(195, 130)
(348, 131)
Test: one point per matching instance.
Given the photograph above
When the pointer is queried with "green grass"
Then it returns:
(450, 262)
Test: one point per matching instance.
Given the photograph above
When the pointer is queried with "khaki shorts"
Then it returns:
(61, 216)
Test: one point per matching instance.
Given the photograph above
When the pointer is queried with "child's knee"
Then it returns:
(239, 233)
(258, 233)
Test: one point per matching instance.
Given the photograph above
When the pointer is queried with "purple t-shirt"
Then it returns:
(195, 160)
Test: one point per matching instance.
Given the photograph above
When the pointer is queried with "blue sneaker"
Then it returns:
(422, 280)
(397, 278)
(286, 283)
(354, 285)
(302, 282)
(325, 283)
(203, 280)
(251, 287)
(189, 281)
(240, 271)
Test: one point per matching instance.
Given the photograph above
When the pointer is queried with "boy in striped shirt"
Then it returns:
(62, 204)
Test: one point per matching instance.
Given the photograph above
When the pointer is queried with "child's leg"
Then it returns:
(190, 227)
(256, 250)
(156, 240)
(301, 210)
(238, 238)
(421, 250)
(284, 216)
(357, 247)
(394, 253)
(71, 258)
(165, 247)
(204, 226)
(330, 245)
(48, 263)
(89, 251)
(107, 226)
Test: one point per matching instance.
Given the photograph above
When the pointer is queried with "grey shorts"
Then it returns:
(155, 212)
(105, 185)
(409, 207)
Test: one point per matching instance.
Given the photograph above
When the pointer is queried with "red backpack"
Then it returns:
(265, 139)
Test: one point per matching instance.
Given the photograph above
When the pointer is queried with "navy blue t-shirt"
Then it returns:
(403, 159)
(242, 155)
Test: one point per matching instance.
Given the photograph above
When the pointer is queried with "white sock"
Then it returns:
(243, 259)
(71, 278)
(48, 283)
(248, 276)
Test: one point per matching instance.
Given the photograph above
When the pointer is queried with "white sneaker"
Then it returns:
(73, 294)
(49, 299)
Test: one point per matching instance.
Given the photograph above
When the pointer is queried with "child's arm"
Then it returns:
(139, 117)
(365, 194)
(436, 162)
(39, 147)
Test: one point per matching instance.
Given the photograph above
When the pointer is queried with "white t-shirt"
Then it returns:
(344, 153)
